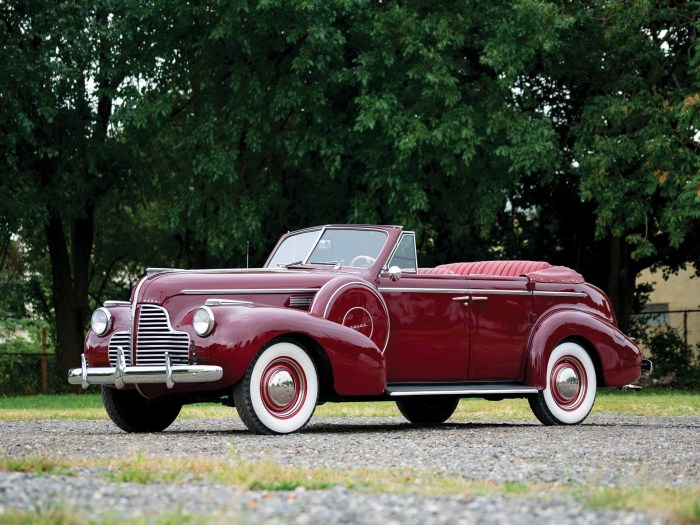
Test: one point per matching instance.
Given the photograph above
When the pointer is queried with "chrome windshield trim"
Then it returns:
(235, 270)
(249, 291)
(561, 294)
(385, 266)
(318, 238)
(322, 231)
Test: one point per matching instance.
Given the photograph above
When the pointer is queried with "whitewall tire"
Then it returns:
(571, 387)
(278, 393)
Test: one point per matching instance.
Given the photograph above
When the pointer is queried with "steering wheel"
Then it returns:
(360, 259)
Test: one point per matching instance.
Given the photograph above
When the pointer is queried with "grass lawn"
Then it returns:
(651, 401)
(680, 505)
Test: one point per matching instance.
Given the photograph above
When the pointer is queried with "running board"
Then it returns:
(437, 389)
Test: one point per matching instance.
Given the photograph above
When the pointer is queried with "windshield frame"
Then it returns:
(322, 230)
(386, 265)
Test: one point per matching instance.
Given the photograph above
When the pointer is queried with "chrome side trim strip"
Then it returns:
(456, 291)
(249, 291)
(500, 292)
(482, 292)
(154, 271)
(115, 304)
(226, 302)
(423, 290)
(463, 391)
(561, 294)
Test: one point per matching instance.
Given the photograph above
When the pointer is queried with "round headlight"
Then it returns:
(101, 321)
(203, 321)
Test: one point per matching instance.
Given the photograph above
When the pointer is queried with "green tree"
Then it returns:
(65, 171)
(169, 132)
(309, 112)
(620, 87)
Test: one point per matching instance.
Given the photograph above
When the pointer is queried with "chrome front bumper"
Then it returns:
(121, 374)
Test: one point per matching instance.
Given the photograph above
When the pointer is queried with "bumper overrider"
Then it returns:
(647, 369)
(121, 374)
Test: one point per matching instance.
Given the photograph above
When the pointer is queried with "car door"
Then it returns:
(500, 311)
(429, 338)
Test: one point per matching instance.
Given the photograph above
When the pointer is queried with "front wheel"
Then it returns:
(427, 410)
(278, 392)
(132, 412)
(571, 387)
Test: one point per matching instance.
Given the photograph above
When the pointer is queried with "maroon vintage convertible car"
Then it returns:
(344, 313)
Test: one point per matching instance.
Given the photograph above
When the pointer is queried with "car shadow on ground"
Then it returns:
(324, 427)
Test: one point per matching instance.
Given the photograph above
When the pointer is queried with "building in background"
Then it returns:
(674, 302)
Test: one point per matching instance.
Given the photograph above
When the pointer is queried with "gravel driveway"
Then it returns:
(610, 450)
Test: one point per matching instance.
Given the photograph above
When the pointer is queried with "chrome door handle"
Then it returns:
(467, 298)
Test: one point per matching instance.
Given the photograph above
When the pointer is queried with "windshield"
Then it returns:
(294, 248)
(343, 247)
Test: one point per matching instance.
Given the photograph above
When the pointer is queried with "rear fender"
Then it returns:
(619, 358)
(240, 332)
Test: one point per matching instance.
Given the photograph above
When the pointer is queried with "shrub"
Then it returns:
(674, 360)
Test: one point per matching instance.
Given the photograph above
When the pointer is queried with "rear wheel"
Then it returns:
(132, 412)
(571, 387)
(278, 392)
(427, 410)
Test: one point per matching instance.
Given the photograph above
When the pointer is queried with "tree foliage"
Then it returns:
(152, 132)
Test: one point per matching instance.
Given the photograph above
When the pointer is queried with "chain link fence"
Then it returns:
(672, 339)
(686, 323)
(27, 363)
(29, 373)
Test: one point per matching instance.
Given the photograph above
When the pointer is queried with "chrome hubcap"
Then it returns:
(567, 382)
(281, 388)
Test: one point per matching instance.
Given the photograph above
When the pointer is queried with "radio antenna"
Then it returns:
(247, 255)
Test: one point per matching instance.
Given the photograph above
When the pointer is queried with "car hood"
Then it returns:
(160, 287)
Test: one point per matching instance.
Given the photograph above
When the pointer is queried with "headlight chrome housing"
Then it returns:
(203, 321)
(101, 321)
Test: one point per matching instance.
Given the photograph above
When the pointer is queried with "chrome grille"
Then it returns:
(122, 339)
(155, 336)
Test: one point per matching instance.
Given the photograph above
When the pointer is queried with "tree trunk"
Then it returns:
(70, 286)
(622, 278)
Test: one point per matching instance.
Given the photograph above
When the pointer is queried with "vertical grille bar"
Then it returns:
(154, 337)
(122, 339)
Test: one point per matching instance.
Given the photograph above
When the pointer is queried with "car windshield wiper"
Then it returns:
(329, 263)
(295, 263)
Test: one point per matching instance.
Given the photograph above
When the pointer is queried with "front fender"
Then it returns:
(619, 358)
(240, 332)
(354, 303)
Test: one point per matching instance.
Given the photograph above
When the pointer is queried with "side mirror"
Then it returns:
(394, 273)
